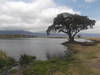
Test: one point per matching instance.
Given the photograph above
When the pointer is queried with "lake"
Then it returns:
(39, 47)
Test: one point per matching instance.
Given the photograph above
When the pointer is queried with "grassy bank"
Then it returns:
(87, 56)
(5, 61)
(28, 65)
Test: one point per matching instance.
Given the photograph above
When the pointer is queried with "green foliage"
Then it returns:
(2, 55)
(47, 67)
(26, 59)
(68, 56)
(5, 60)
(3, 63)
(28, 72)
(13, 71)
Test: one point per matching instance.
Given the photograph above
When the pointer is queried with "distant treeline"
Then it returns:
(16, 36)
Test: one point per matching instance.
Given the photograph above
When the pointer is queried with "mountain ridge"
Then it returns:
(23, 32)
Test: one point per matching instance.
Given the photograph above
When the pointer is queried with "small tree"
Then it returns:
(70, 24)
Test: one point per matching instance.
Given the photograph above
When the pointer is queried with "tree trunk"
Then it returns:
(71, 38)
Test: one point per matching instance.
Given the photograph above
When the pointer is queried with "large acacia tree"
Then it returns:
(70, 24)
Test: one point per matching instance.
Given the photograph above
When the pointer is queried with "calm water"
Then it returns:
(38, 47)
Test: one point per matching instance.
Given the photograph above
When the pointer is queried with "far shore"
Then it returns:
(31, 36)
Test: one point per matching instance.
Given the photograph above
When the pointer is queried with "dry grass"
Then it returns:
(2, 55)
(97, 39)
(89, 56)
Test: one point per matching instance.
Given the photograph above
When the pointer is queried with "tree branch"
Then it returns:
(75, 33)
(63, 31)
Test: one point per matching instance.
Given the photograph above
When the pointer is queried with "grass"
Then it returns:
(5, 61)
(87, 56)
(30, 66)
(49, 67)
(2, 55)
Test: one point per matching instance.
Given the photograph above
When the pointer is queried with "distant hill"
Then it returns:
(11, 32)
(22, 32)
(90, 34)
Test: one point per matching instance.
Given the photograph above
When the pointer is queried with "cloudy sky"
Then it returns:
(37, 15)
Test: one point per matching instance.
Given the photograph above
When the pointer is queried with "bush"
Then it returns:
(26, 59)
(13, 71)
(2, 63)
(5, 61)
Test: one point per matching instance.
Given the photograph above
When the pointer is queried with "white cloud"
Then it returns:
(36, 15)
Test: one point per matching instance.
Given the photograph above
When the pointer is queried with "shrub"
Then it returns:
(13, 71)
(5, 61)
(26, 59)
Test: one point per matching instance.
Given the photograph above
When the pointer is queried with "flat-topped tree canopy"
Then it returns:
(70, 24)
